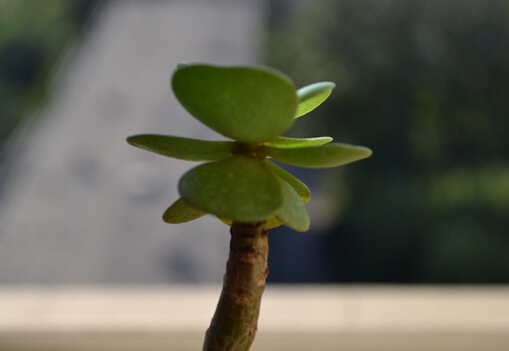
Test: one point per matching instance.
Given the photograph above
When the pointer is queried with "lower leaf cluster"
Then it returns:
(243, 189)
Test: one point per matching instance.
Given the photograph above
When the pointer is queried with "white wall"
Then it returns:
(82, 206)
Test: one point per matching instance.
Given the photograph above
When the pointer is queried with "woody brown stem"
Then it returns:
(235, 321)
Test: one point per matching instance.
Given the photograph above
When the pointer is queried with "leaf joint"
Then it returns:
(254, 150)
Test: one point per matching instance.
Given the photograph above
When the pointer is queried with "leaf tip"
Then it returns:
(182, 212)
(181, 65)
(365, 151)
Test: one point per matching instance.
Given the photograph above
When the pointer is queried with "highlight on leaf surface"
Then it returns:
(181, 212)
(239, 187)
(248, 104)
(289, 143)
(329, 155)
(182, 148)
(311, 96)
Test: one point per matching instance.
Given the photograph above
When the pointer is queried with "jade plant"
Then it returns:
(238, 182)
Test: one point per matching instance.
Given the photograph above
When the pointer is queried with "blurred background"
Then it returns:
(424, 84)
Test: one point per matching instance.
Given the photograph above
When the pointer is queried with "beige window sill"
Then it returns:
(331, 317)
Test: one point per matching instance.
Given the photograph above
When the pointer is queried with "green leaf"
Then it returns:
(290, 143)
(311, 96)
(240, 188)
(330, 155)
(248, 104)
(182, 148)
(294, 213)
(271, 223)
(301, 188)
(182, 212)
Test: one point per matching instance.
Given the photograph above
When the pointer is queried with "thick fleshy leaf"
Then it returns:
(182, 212)
(228, 222)
(291, 143)
(182, 148)
(248, 104)
(273, 223)
(301, 188)
(311, 96)
(329, 155)
(294, 213)
(240, 188)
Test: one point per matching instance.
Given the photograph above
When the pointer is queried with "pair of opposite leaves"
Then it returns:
(253, 106)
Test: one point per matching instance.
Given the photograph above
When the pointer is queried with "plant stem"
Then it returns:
(235, 321)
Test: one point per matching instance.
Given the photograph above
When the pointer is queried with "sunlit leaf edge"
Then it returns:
(312, 96)
(292, 143)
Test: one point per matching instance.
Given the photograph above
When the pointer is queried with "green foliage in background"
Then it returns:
(426, 84)
(33, 36)
(252, 106)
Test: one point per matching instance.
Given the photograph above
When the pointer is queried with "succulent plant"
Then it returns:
(238, 182)
(252, 106)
